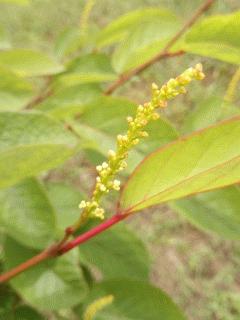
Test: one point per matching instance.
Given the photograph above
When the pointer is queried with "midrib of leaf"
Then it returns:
(172, 188)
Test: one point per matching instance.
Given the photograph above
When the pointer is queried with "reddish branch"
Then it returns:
(64, 245)
(164, 52)
(56, 251)
(45, 93)
(123, 78)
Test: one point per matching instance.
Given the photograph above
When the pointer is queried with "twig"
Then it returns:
(45, 93)
(123, 78)
(164, 53)
(57, 250)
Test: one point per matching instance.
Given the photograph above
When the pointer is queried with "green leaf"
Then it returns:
(145, 40)
(134, 300)
(31, 142)
(8, 299)
(52, 285)
(65, 199)
(94, 67)
(209, 111)
(26, 313)
(121, 27)
(216, 37)
(67, 102)
(68, 41)
(118, 252)
(27, 215)
(217, 211)
(15, 92)
(29, 63)
(203, 161)
(72, 39)
(104, 118)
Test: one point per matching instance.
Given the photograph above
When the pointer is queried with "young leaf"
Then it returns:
(145, 40)
(27, 215)
(217, 211)
(117, 252)
(31, 142)
(91, 68)
(133, 300)
(68, 41)
(203, 161)
(29, 63)
(216, 37)
(53, 285)
(68, 101)
(15, 91)
(121, 27)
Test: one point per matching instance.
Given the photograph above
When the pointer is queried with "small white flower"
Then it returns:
(102, 187)
(99, 213)
(99, 168)
(111, 153)
(116, 184)
(154, 86)
(83, 204)
(104, 165)
(129, 119)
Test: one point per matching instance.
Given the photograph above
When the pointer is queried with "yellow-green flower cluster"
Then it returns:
(105, 180)
(96, 306)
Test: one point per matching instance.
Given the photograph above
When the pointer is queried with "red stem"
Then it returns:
(93, 232)
(55, 251)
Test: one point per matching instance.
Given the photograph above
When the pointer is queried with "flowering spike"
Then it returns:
(116, 159)
(96, 306)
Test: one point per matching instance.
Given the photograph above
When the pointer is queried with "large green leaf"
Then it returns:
(120, 28)
(217, 211)
(31, 142)
(65, 200)
(134, 300)
(52, 285)
(15, 92)
(90, 68)
(28, 63)
(67, 102)
(27, 215)
(145, 40)
(117, 253)
(203, 161)
(104, 118)
(216, 37)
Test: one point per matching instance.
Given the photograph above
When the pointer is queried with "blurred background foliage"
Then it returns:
(198, 269)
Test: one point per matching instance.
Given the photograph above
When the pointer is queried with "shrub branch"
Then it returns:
(107, 171)
(164, 53)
